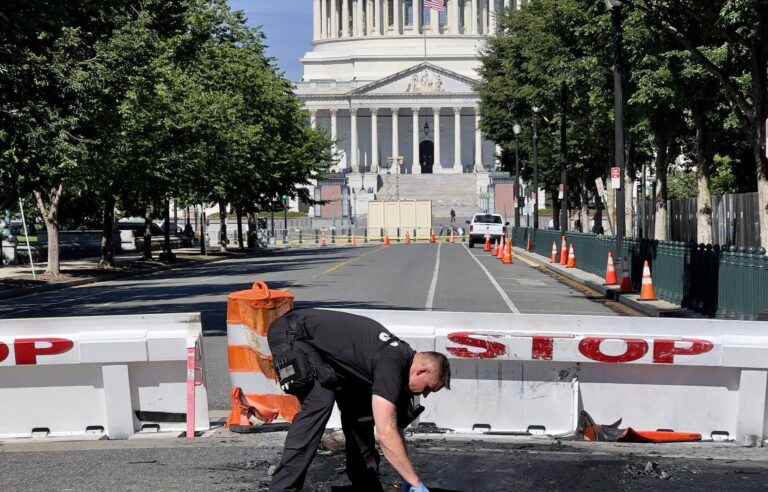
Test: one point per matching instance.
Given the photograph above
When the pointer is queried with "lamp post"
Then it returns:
(516, 129)
(615, 6)
(535, 170)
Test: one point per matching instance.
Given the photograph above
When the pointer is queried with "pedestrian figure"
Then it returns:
(453, 216)
(323, 357)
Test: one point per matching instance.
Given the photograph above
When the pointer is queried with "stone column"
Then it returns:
(379, 17)
(323, 14)
(473, 19)
(353, 157)
(313, 119)
(415, 166)
(417, 15)
(316, 20)
(434, 21)
(492, 17)
(467, 16)
(344, 18)
(396, 15)
(334, 19)
(478, 142)
(333, 134)
(395, 142)
(453, 17)
(436, 130)
(457, 167)
(374, 140)
(360, 18)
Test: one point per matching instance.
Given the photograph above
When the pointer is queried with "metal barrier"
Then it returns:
(533, 373)
(102, 375)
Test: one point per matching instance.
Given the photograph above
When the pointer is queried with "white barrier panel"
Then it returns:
(110, 375)
(518, 372)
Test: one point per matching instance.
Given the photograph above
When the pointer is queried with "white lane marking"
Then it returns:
(433, 285)
(504, 296)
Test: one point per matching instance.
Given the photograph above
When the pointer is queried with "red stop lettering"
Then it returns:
(26, 349)
(491, 349)
(590, 347)
(3, 352)
(664, 351)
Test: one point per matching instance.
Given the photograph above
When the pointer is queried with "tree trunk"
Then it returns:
(251, 230)
(629, 204)
(148, 233)
(703, 210)
(555, 210)
(203, 242)
(662, 215)
(107, 229)
(611, 208)
(704, 163)
(223, 231)
(584, 213)
(239, 213)
(50, 215)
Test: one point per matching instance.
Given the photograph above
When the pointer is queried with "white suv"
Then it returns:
(484, 226)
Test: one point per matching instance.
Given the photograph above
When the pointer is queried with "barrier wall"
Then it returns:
(533, 373)
(104, 375)
(405, 216)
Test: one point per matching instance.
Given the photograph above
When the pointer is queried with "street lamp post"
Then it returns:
(563, 163)
(516, 189)
(615, 6)
(535, 170)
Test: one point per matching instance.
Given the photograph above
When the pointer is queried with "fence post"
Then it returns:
(333, 235)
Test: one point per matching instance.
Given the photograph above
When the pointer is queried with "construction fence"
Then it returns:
(724, 282)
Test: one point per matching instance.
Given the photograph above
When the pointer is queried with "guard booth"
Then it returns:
(392, 217)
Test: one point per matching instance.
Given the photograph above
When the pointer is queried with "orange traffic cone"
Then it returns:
(500, 252)
(354, 240)
(610, 272)
(322, 240)
(507, 260)
(487, 246)
(564, 253)
(433, 237)
(571, 258)
(244, 416)
(626, 279)
(553, 258)
(407, 238)
(495, 250)
(647, 292)
(386, 241)
(452, 238)
(530, 245)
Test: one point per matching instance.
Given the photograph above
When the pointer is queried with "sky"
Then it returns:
(288, 27)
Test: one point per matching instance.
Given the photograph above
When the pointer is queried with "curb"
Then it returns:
(24, 291)
(612, 293)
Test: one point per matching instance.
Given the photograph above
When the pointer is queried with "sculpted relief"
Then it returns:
(426, 83)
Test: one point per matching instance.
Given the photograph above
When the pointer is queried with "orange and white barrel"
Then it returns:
(256, 394)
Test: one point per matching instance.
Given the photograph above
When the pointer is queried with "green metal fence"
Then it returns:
(713, 281)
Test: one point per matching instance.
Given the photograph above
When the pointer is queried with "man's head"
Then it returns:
(430, 371)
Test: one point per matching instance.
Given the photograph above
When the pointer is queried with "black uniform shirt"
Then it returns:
(362, 349)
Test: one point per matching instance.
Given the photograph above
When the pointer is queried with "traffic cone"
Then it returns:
(322, 240)
(451, 238)
(495, 250)
(564, 253)
(487, 246)
(354, 240)
(571, 259)
(507, 260)
(610, 272)
(500, 252)
(647, 292)
(626, 279)
(407, 238)
(553, 258)
(434, 237)
(530, 245)
(386, 241)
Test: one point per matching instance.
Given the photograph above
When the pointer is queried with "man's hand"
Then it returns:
(392, 443)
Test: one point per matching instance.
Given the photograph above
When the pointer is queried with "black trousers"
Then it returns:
(306, 431)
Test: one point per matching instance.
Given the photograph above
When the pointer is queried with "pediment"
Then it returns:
(422, 79)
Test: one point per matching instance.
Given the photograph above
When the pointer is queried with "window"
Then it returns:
(487, 219)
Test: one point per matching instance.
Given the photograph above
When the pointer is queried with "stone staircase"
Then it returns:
(446, 191)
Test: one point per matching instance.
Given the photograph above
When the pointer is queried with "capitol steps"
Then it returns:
(445, 191)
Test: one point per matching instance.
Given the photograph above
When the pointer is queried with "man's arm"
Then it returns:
(392, 443)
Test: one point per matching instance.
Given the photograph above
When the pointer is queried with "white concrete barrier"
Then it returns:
(106, 375)
(533, 373)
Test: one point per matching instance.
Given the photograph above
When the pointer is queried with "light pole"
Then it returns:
(563, 164)
(615, 6)
(536, 110)
(516, 129)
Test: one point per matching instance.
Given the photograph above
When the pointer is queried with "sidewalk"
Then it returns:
(17, 280)
(656, 309)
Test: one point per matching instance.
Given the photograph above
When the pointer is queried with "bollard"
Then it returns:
(285, 237)
(398, 234)
(349, 235)
(333, 235)
(365, 235)
(301, 240)
(414, 235)
(317, 236)
(382, 234)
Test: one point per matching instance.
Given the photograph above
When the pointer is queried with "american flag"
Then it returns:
(438, 5)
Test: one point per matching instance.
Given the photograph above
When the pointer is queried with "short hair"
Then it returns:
(441, 363)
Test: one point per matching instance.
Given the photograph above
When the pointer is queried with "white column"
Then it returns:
(478, 142)
(467, 15)
(334, 18)
(492, 17)
(436, 131)
(360, 18)
(395, 142)
(313, 119)
(344, 18)
(379, 17)
(415, 167)
(353, 157)
(323, 13)
(434, 21)
(316, 20)
(417, 16)
(374, 140)
(457, 168)
(396, 15)
(473, 19)
(333, 134)
(453, 17)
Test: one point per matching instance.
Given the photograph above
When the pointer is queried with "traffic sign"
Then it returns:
(615, 178)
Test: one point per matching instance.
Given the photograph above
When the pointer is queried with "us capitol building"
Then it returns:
(392, 83)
